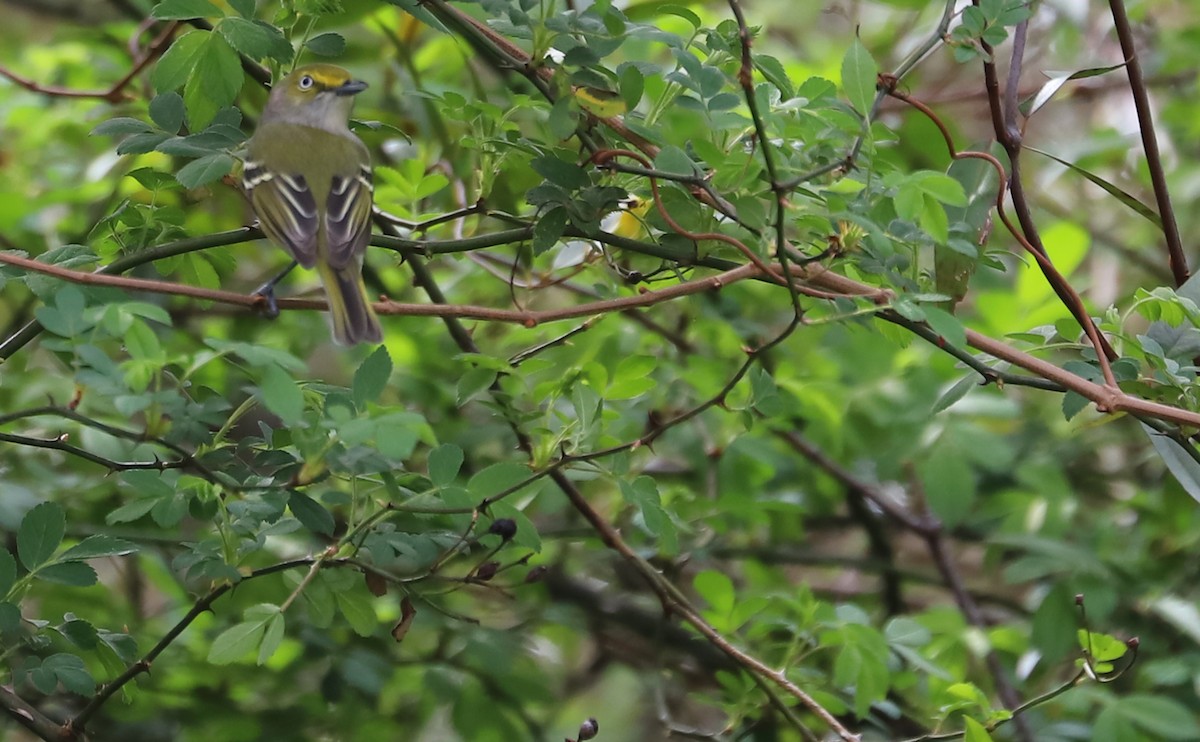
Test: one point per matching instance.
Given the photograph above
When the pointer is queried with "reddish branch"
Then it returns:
(1070, 297)
(116, 92)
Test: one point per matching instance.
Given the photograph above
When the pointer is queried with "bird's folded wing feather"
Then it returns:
(286, 209)
(348, 216)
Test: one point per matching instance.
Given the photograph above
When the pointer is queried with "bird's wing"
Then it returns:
(286, 209)
(348, 216)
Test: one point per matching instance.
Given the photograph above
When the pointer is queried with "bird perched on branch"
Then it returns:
(308, 178)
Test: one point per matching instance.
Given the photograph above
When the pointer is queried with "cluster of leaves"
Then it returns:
(380, 534)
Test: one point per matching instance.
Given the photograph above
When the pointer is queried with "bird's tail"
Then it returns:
(350, 311)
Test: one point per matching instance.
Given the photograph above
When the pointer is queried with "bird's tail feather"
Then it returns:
(350, 311)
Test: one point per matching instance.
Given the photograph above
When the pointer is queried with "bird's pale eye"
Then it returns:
(305, 83)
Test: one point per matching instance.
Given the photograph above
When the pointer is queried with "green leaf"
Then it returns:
(672, 159)
(973, 731)
(139, 144)
(272, 638)
(940, 186)
(237, 641)
(1179, 462)
(121, 126)
(773, 70)
(177, 63)
(94, 547)
(643, 494)
(1163, 717)
(8, 572)
(372, 376)
(256, 39)
(473, 383)
(497, 478)
(1102, 647)
(548, 229)
(166, 109)
(75, 574)
(311, 514)
(10, 618)
(205, 170)
(71, 672)
(214, 81)
(859, 73)
(632, 84)
(949, 485)
(717, 590)
(282, 395)
(1031, 105)
(947, 326)
(444, 464)
(40, 534)
(184, 10)
(560, 172)
(244, 8)
(327, 44)
(1128, 199)
(356, 606)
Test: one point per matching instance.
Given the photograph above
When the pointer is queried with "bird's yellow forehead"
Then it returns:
(324, 75)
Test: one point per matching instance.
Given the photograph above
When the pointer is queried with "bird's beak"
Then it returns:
(354, 87)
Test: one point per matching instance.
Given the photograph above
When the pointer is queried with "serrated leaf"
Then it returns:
(859, 73)
(256, 39)
(176, 64)
(75, 574)
(214, 81)
(549, 228)
(40, 534)
(327, 44)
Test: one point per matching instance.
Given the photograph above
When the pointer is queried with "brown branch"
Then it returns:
(1108, 399)
(32, 719)
(1158, 176)
(116, 92)
(528, 318)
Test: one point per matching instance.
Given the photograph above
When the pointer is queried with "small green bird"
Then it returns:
(309, 180)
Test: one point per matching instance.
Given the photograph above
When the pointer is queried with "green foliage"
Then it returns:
(682, 502)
